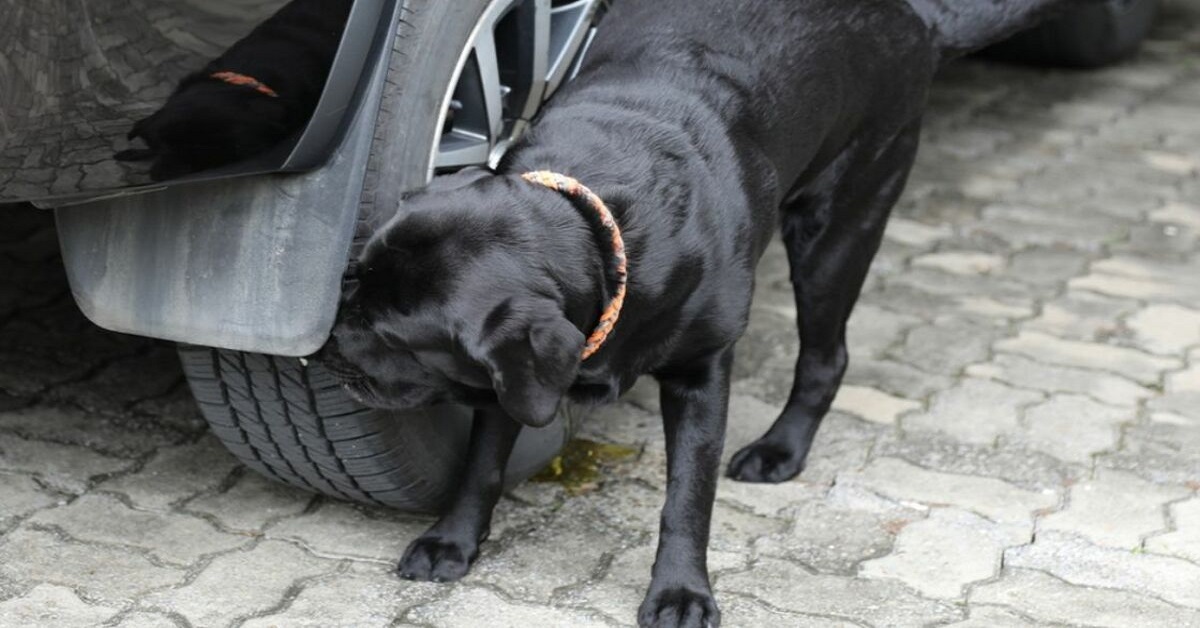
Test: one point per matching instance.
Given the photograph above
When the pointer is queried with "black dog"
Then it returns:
(703, 124)
(257, 93)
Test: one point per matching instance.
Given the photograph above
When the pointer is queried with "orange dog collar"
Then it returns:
(578, 192)
(241, 80)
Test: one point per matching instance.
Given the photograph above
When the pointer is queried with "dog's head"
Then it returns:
(455, 302)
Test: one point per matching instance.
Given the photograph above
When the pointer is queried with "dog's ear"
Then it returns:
(533, 366)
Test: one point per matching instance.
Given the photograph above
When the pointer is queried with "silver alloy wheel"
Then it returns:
(519, 54)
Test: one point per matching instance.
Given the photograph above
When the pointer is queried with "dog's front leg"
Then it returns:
(694, 406)
(445, 552)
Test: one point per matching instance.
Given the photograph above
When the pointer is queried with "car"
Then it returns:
(243, 264)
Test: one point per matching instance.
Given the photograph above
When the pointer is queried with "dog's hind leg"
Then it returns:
(445, 551)
(831, 232)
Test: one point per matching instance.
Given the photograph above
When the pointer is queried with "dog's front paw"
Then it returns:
(437, 559)
(765, 461)
(679, 607)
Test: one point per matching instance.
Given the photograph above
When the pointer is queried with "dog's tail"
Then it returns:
(963, 26)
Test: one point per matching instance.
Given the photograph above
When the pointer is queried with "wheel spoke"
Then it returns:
(569, 29)
(489, 80)
(458, 150)
(538, 57)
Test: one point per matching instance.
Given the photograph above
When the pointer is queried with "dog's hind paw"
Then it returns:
(679, 607)
(437, 559)
(766, 462)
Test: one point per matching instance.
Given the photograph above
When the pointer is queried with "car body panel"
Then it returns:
(74, 77)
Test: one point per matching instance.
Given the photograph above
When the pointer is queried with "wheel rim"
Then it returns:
(518, 55)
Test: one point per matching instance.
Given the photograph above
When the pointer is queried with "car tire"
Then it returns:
(288, 418)
(1090, 36)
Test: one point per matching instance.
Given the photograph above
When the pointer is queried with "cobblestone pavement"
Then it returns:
(1017, 444)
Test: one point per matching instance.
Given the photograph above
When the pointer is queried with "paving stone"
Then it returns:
(1136, 365)
(51, 605)
(1050, 599)
(993, 617)
(1184, 540)
(623, 584)
(1082, 316)
(66, 468)
(169, 537)
(1187, 380)
(146, 620)
(872, 330)
(765, 500)
(974, 411)
(1166, 329)
(871, 404)
(742, 611)
(943, 553)
(473, 606)
(1184, 405)
(340, 530)
(788, 587)
(247, 583)
(1025, 373)
(915, 234)
(1178, 213)
(996, 312)
(1115, 509)
(961, 262)
(1022, 225)
(1079, 562)
(534, 563)
(348, 601)
(72, 426)
(832, 538)
(945, 348)
(123, 382)
(1138, 278)
(19, 496)
(992, 498)
(894, 378)
(101, 573)
(1073, 428)
(176, 473)
(251, 503)
(1046, 266)
(1163, 453)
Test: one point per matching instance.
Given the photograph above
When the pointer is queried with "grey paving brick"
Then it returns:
(1025, 373)
(251, 503)
(1073, 559)
(240, 584)
(1184, 538)
(1047, 598)
(175, 474)
(102, 573)
(19, 496)
(992, 498)
(169, 537)
(472, 606)
(337, 530)
(52, 605)
(67, 468)
(786, 586)
(348, 601)
(945, 552)
(975, 411)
